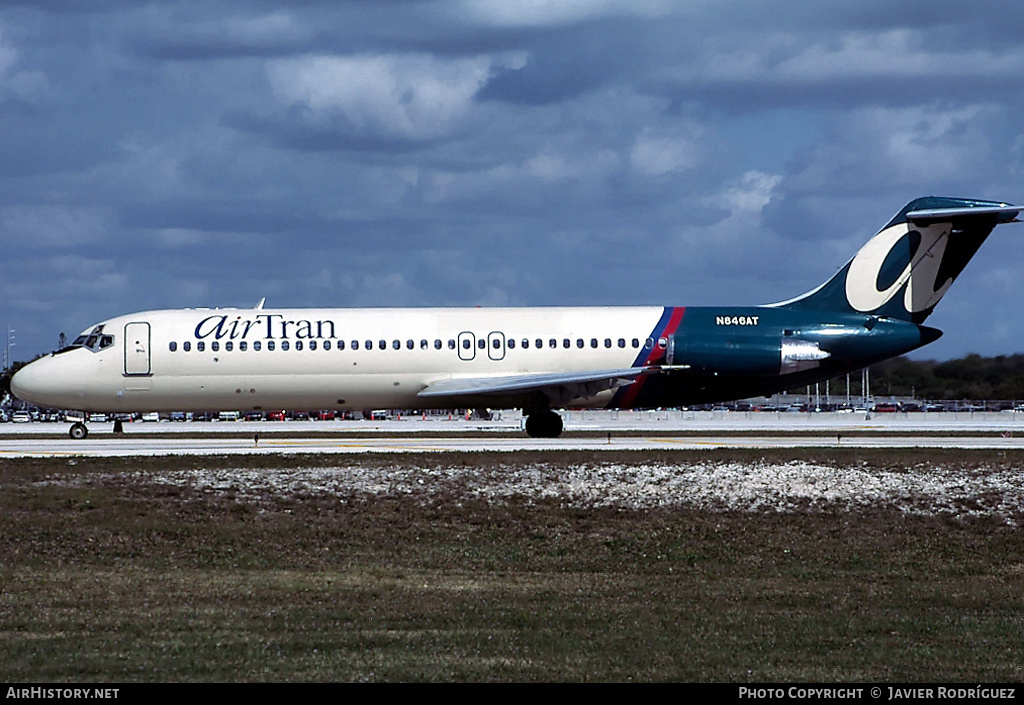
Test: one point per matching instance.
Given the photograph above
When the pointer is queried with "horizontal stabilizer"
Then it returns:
(1006, 212)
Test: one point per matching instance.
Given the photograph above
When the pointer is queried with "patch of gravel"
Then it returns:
(716, 486)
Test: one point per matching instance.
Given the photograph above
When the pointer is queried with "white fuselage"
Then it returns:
(216, 359)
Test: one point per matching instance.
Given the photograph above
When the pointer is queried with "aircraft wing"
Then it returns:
(560, 387)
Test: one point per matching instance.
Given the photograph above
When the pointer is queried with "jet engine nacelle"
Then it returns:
(744, 355)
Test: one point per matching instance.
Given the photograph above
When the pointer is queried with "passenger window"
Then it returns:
(451, 343)
(229, 346)
(327, 345)
(312, 345)
(285, 345)
(355, 344)
(186, 346)
(369, 345)
(382, 344)
(174, 346)
(215, 346)
(270, 345)
(511, 343)
(298, 345)
(622, 342)
(565, 342)
(636, 343)
(243, 346)
(256, 346)
(200, 346)
(526, 343)
(424, 344)
(466, 344)
(396, 344)
(437, 344)
(482, 344)
(579, 342)
(552, 343)
(607, 342)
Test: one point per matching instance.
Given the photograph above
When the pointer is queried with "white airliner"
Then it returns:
(536, 359)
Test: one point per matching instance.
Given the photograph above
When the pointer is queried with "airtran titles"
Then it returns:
(269, 326)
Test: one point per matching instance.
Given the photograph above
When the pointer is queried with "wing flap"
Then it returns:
(560, 387)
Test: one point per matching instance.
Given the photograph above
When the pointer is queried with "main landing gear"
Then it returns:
(543, 424)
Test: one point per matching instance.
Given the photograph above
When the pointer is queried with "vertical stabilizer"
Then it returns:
(906, 268)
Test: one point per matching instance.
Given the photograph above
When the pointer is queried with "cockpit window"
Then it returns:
(93, 340)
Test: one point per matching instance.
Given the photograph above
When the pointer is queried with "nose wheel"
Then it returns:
(78, 431)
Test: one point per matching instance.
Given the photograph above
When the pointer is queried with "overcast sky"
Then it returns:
(493, 152)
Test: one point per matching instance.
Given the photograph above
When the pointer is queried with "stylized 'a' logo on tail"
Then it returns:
(902, 259)
(904, 270)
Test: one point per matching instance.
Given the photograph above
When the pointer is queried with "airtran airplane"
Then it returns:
(535, 359)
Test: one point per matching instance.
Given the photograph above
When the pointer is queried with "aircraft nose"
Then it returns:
(40, 382)
(26, 382)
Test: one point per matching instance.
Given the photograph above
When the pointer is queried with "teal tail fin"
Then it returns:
(905, 269)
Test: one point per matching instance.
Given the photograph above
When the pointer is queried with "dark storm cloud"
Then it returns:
(455, 152)
(567, 62)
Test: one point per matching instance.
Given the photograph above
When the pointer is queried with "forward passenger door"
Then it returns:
(137, 349)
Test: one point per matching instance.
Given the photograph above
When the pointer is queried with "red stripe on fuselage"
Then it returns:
(667, 326)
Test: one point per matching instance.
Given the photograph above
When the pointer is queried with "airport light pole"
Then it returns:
(7, 348)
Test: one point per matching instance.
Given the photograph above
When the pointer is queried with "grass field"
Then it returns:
(524, 567)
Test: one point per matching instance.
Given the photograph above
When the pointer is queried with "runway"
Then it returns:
(136, 445)
(585, 430)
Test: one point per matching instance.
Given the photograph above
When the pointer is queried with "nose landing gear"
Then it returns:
(78, 431)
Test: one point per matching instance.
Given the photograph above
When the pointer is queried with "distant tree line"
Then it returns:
(970, 377)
